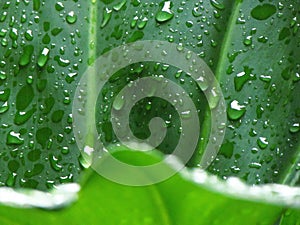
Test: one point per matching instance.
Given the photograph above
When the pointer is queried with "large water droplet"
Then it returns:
(106, 17)
(235, 111)
(165, 14)
(262, 142)
(243, 77)
(43, 58)
(14, 138)
(71, 17)
(263, 12)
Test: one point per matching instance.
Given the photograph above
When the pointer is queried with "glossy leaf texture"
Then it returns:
(42, 52)
(252, 47)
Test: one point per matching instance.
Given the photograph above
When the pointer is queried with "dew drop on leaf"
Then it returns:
(14, 138)
(26, 56)
(255, 165)
(71, 17)
(217, 4)
(120, 5)
(107, 13)
(24, 97)
(262, 142)
(4, 107)
(227, 149)
(248, 41)
(243, 77)
(43, 58)
(235, 111)
(11, 179)
(263, 12)
(295, 128)
(28, 35)
(55, 163)
(59, 6)
(165, 14)
(143, 23)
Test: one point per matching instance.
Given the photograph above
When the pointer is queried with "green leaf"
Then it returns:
(193, 198)
(41, 53)
(252, 47)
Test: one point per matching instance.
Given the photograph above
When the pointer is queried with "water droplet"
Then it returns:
(56, 31)
(54, 162)
(4, 95)
(135, 2)
(11, 180)
(295, 128)
(263, 12)
(165, 14)
(262, 142)
(119, 103)
(243, 77)
(120, 5)
(43, 58)
(284, 33)
(14, 138)
(286, 73)
(13, 34)
(217, 5)
(43, 136)
(142, 23)
(24, 97)
(26, 56)
(259, 111)
(189, 24)
(23, 117)
(59, 6)
(227, 150)
(106, 17)
(235, 111)
(28, 35)
(71, 17)
(4, 107)
(248, 41)
(255, 165)
(262, 39)
(57, 116)
(36, 5)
